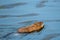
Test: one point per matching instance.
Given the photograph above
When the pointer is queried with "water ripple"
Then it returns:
(7, 6)
(50, 36)
(5, 16)
(42, 3)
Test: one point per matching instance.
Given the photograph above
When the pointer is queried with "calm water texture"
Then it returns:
(20, 13)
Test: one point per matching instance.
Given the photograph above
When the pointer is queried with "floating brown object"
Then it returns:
(34, 27)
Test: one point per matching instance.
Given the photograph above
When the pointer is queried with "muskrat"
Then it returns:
(34, 27)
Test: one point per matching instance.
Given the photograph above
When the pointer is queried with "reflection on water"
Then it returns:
(42, 3)
(50, 36)
(7, 6)
(32, 14)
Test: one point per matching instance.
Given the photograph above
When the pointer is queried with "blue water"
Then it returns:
(15, 14)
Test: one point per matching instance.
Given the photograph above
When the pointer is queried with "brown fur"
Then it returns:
(34, 27)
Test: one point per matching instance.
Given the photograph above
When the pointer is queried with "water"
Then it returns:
(20, 13)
